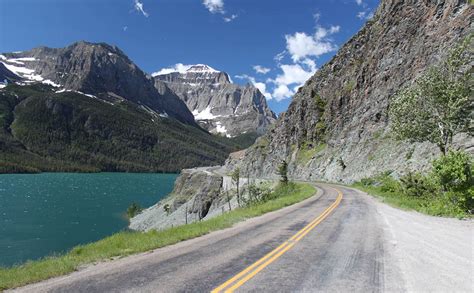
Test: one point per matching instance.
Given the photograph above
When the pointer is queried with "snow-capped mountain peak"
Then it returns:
(201, 68)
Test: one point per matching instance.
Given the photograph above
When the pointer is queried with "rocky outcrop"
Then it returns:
(98, 69)
(7, 76)
(337, 127)
(216, 103)
(196, 195)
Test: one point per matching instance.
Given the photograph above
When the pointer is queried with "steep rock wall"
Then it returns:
(337, 127)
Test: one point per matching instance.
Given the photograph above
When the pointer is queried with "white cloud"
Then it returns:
(125, 28)
(282, 92)
(303, 49)
(180, 67)
(263, 89)
(316, 16)
(278, 57)
(365, 15)
(260, 85)
(230, 18)
(292, 76)
(260, 69)
(293, 73)
(214, 6)
(359, 2)
(300, 45)
(139, 7)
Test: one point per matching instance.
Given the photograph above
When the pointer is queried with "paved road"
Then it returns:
(340, 245)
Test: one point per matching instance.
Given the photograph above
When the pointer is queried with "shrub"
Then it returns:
(367, 182)
(261, 194)
(454, 171)
(258, 194)
(387, 183)
(454, 174)
(283, 172)
(133, 210)
(416, 184)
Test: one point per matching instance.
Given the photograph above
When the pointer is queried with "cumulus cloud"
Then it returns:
(260, 69)
(297, 63)
(260, 85)
(293, 74)
(301, 45)
(139, 7)
(303, 48)
(292, 77)
(214, 6)
(282, 92)
(180, 67)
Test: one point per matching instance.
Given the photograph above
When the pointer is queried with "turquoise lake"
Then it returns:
(48, 213)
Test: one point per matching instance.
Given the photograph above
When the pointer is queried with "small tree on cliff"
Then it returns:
(283, 172)
(440, 104)
(236, 180)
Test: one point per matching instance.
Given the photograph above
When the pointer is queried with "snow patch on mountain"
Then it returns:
(17, 66)
(221, 129)
(204, 114)
(183, 69)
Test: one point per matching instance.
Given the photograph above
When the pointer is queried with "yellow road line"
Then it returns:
(248, 273)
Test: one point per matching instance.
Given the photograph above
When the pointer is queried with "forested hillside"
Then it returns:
(44, 130)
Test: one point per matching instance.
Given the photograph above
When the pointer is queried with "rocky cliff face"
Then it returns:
(97, 69)
(216, 103)
(337, 127)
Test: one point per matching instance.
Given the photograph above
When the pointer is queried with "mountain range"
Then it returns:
(217, 104)
(88, 107)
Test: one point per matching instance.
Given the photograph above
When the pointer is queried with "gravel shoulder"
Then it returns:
(434, 254)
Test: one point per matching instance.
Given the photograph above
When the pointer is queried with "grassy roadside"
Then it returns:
(428, 206)
(127, 242)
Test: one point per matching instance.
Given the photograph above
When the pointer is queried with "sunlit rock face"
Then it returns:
(219, 105)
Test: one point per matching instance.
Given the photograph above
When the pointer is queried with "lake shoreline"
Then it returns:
(47, 213)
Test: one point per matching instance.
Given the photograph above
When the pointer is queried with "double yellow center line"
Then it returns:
(245, 275)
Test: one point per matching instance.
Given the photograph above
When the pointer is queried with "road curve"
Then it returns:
(344, 248)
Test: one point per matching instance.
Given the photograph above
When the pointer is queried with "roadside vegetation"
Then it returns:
(439, 105)
(133, 210)
(128, 242)
(448, 190)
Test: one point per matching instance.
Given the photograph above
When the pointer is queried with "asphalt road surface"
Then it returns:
(340, 240)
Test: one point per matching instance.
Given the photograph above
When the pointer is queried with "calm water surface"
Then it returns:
(43, 214)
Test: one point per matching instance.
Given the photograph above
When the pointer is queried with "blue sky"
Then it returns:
(287, 40)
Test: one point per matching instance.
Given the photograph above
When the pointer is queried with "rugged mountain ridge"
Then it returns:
(88, 107)
(98, 69)
(337, 127)
(216, 103)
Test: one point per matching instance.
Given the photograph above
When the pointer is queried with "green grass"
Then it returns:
(429, 206)
(306, 154)
(127, 242)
